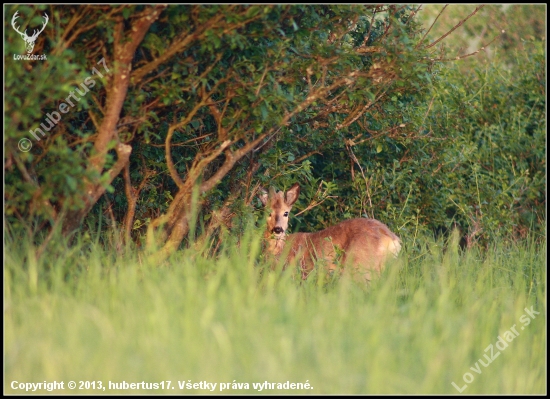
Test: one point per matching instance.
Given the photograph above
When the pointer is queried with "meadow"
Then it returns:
(440, 320)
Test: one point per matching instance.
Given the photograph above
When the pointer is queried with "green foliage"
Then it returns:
(498, 154)
(266, 70)
(53, 171)
(352, 104)
(472, 155)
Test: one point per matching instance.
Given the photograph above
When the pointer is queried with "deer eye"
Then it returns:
(286, 214)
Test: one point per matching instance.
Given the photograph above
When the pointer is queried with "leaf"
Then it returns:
(263, 108)
(71, 182)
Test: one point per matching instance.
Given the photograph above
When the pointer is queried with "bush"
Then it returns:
(471, 155)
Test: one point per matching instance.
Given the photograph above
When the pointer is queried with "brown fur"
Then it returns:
(364, 243)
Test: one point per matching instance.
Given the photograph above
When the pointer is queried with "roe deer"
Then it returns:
(364, 243)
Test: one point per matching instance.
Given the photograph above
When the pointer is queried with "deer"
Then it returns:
(362, 243)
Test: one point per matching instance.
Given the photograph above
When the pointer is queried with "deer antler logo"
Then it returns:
(29, 40)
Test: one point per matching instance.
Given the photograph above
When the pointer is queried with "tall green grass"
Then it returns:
(87, 313)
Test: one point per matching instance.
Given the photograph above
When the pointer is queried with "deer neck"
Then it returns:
(275, 245)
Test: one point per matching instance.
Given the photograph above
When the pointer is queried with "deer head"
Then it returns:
(29, 40)
(279, 206)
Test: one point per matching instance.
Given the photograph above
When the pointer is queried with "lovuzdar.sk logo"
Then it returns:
(29, 40)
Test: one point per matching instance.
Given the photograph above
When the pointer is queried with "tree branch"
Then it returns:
(231, 158)
(456, 26)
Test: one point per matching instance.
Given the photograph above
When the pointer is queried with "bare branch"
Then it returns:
(456, 26)
(431, 26)
(467, 55)
(178, 45)
(231, 159)
(366, 39)
(167, 144)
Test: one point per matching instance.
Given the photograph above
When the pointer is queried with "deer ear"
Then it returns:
(292, 194)
(263, 196)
